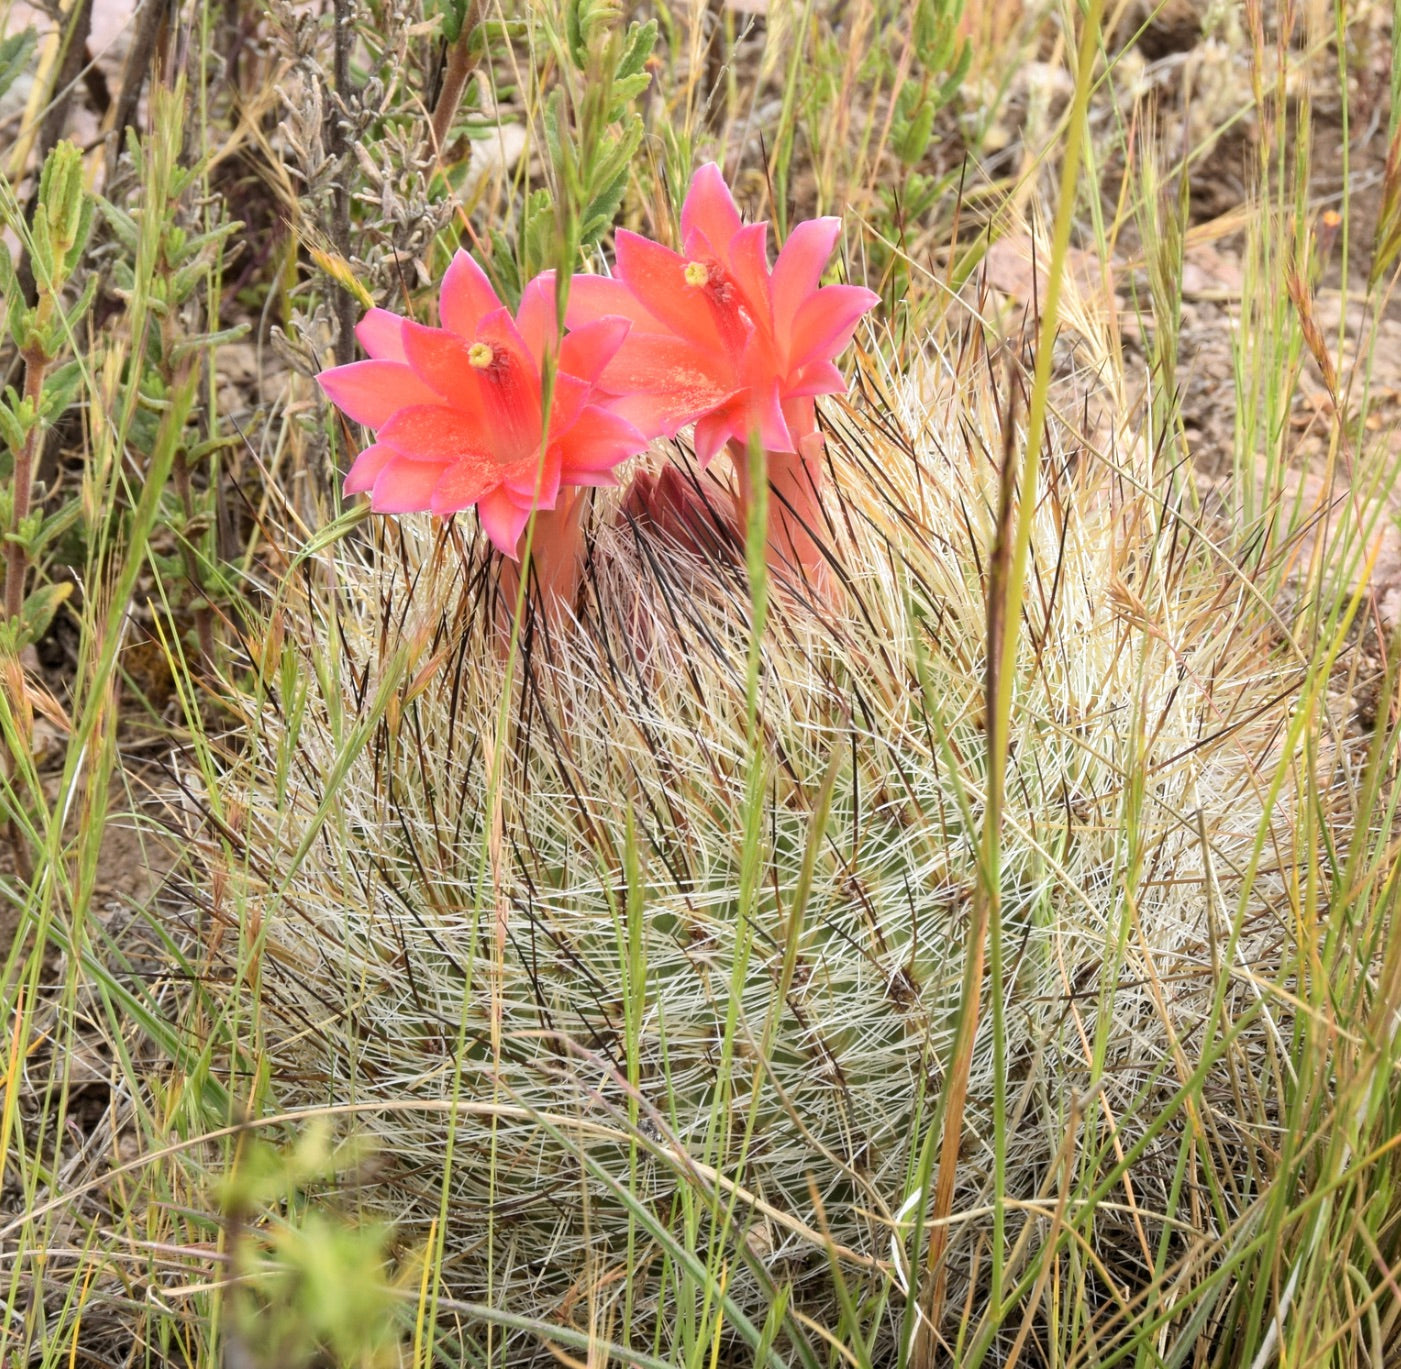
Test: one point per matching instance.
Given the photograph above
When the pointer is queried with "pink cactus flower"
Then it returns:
(717, 336)
(721, 339)
(457, 410)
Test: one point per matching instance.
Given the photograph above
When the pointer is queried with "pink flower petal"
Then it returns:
(657, 276)
(712, 432)
(466, 296)
(826, 321)
(592, 298)
(659, 363)
(661, 415)
(593, 479)
(378, 332)
(816, 378)
(436, 432)
(697, 247)
(759, 366)
(439, 358)
(370, 392)
(598, 442)
(502, 521)
(566, 401)
(365, 469)
(710, 208)
(800, 415)
(751, 412)
(405, 486)
(749, 269)
(588, 349)
(765, 412)
(536, 317)
(798, 271)
(534, 486)
(510, 389)
(460, 486)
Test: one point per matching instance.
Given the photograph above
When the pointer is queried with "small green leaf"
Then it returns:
(18, 318)
(80, 237)
(454, 12)
(200, 242)
(913, 142)
(122, 224)
(12, 431)
(60, 388)
(626, 90)
(496, 32)
(84, 301)
(956, 77)
(15, 52)
(55, 526)
(638, 47)
(184, 281)
(24, 409)
(603, 209)
(41, 255)
(39, 608)
(27, 531)
(208, 341)
(202, 451)
(63, 201)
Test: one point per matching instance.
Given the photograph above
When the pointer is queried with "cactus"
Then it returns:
(529, 940)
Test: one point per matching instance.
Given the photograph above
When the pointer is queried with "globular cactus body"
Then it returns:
(648, 1017)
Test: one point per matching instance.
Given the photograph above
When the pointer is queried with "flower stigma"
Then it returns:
(697, 273)
(480, 355)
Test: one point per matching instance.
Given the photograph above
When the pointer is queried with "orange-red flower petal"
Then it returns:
(371, 391)
(378, 333)
(465, 297)
(825, 322)
(710, 208)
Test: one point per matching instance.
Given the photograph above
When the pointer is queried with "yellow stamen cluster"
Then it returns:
(697, 273)
(480, 355)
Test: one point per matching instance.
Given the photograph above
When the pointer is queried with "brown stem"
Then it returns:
(140, 62)
(36, 364)
(67, 73)
(460, 64)
(343, 302)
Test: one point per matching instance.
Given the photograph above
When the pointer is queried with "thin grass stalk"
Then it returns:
(36, 366)
(1280, 1214)
(632, 955)
(189, 554)
(1004, 626)
(569, 218)
(787, 119)
(718, 1138)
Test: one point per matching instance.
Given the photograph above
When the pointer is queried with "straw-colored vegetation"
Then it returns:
(986, 956)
